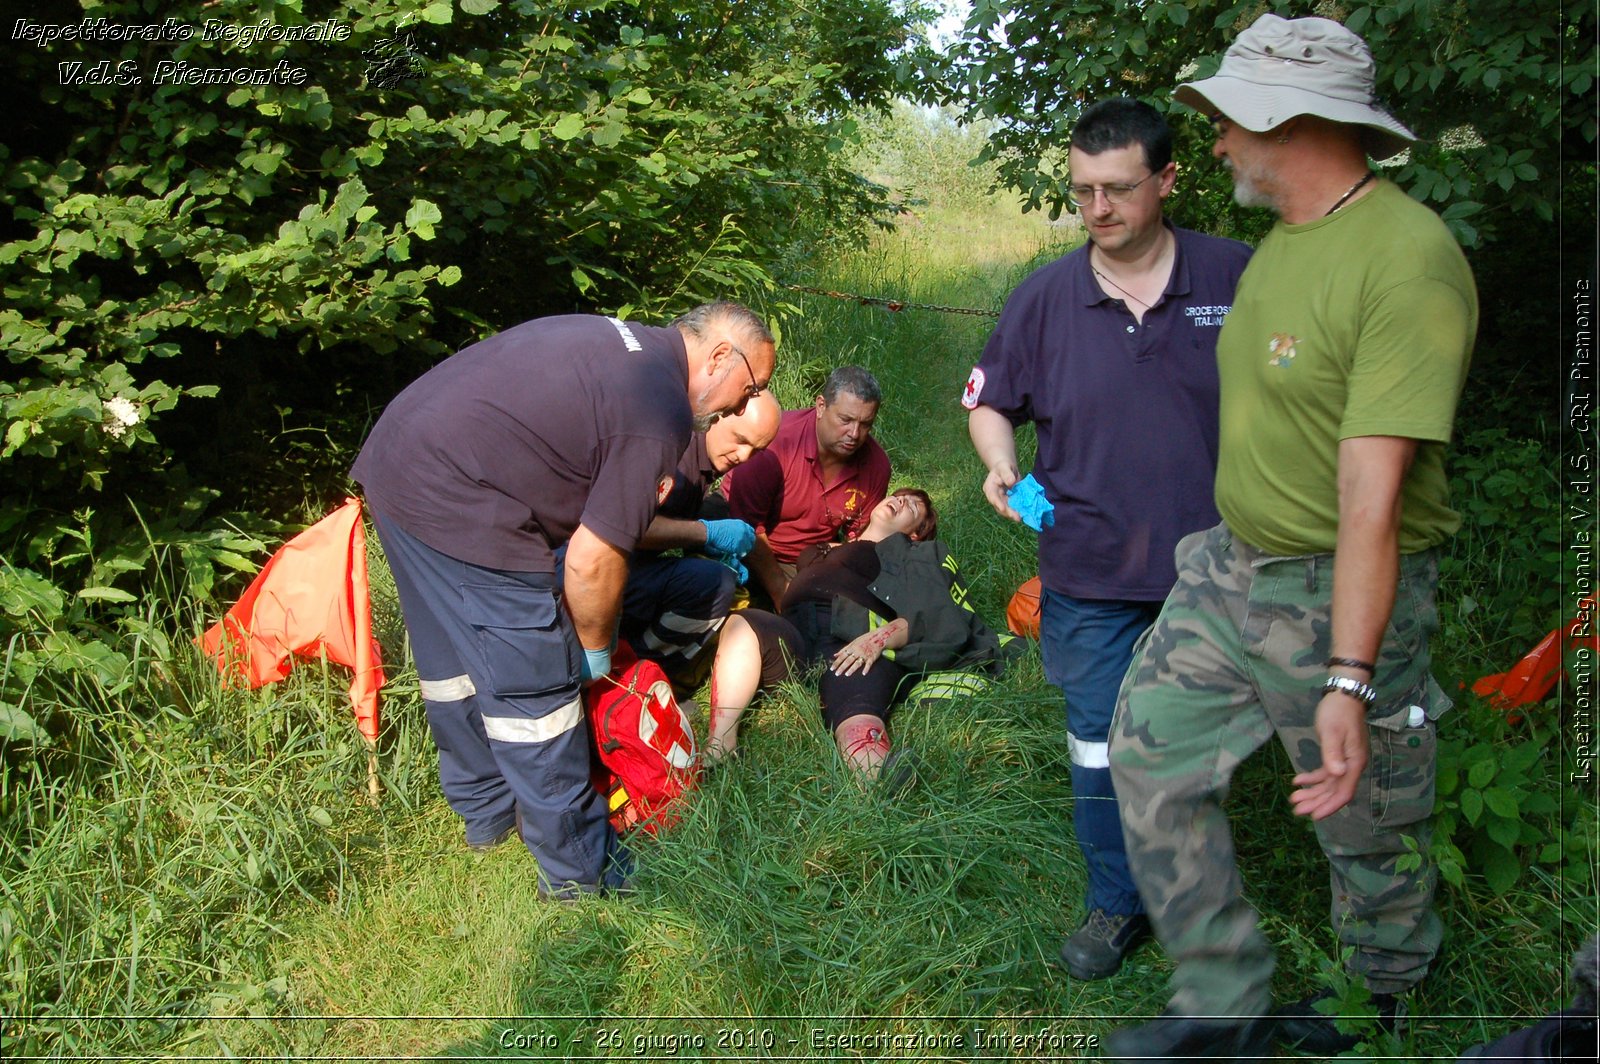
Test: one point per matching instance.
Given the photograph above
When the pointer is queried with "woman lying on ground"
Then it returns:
(880, 611)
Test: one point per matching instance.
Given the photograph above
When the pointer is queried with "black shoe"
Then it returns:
(1096, 949)
(1302, 1026)
(1173, 1037)
(898, 772)
(485, 845)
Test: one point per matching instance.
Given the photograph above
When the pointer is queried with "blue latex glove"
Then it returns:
(732, 562)
(729, 537)
(1027, 498)
(596, 663)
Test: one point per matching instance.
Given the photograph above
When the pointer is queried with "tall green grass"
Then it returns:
(156, 840)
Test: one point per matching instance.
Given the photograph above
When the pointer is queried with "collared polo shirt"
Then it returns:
(780, 491)
(498, 453)
(1126, 413)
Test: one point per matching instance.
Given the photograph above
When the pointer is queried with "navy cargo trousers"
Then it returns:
(498, 663)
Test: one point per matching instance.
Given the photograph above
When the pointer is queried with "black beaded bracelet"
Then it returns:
(1353, 663)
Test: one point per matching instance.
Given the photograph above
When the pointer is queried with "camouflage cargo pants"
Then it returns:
(1236, 656)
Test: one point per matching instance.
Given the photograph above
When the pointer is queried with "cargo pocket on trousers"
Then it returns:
(520, 639)
(1188, 545)
(1404, 746)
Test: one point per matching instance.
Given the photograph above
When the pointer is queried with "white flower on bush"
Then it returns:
(120, 416)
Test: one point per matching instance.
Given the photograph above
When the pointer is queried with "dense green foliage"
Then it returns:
(1501, 91)
(209, 287)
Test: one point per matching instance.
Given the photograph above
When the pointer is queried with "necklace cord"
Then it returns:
(1098, 273)
(1368, 176)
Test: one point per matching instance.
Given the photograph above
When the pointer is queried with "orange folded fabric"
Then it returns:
(311, 600)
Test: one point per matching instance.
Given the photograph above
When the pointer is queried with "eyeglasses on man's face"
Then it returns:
(1083, 195)
(752, 389)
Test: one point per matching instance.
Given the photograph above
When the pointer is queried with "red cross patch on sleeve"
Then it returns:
(974, 388)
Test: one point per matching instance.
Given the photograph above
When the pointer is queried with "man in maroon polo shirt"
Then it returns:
(817, 483)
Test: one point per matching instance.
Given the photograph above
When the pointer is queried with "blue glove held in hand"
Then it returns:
(732, 562)
(729, 537)
(596, 663)
(1027, 498)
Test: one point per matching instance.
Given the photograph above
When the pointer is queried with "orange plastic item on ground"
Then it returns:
(312, 600)
(1022, 612)
(1531, 678)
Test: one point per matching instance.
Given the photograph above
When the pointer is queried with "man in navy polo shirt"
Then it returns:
(559, 431)
(674, 605)
(1111, 352)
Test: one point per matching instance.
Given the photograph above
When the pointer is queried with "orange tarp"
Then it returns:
(1531, 679)
(310, 599)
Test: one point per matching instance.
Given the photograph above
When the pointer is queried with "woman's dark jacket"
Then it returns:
(922, 584)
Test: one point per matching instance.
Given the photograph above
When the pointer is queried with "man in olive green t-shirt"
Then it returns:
(1306, 613)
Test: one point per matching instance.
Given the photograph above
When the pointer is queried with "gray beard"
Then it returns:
(703, 421)
(1246, 193)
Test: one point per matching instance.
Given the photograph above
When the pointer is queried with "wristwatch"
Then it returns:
(1352, 687)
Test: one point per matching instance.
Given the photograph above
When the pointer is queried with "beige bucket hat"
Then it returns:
(1280, 68)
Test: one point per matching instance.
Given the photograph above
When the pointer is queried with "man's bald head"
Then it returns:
(732, 439)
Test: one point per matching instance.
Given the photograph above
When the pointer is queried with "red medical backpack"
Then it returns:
(645, 743)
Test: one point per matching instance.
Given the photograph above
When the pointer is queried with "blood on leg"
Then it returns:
(864, 742)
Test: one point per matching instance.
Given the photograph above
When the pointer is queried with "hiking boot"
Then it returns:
(1096, 949)
(1304, 1027)
(1173, 1037)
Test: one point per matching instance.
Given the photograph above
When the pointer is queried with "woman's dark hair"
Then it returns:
(930, 520)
